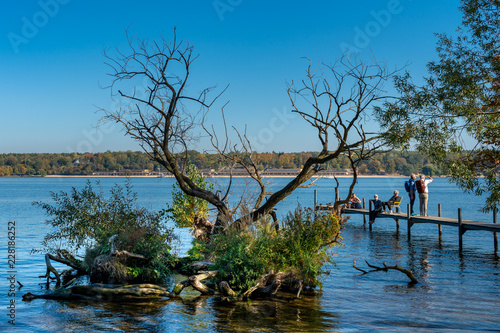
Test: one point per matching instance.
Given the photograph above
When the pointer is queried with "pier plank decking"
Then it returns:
(462, 225)
(466, 224)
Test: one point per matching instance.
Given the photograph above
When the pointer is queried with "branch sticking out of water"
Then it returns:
(386, 268)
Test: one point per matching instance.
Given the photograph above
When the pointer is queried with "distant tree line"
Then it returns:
(72, 163)
(390, 162)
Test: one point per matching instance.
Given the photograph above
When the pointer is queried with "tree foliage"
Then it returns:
(459, 98)
(185, 208)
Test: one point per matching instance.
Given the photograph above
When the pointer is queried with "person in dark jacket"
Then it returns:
(412, 192)
(377, 207)
(390, 203)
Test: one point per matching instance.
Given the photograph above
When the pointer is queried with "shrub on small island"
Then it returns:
(122, 241)
(301, 246)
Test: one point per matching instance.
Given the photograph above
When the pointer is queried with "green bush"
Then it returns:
(86, 219)
(185, 208)
(301, 246)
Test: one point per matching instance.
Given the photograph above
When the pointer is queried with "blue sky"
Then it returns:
(52, 62)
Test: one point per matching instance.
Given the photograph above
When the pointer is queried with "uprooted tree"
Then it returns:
(251, 252)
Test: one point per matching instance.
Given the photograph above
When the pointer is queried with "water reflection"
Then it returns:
(98, 317)
(184, 314)
(455, 292)
(299, 315)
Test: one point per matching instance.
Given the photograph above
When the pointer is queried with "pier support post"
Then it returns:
(369, 210)
(440, 227)
(460, 230)
(410, 223)
(397, 220)
(315, 200)
(364, 215)
(495, 239)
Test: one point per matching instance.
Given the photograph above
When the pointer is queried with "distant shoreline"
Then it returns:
(208, 177)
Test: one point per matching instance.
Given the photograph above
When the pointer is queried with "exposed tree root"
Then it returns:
(269, 284)
(51, 269)
(386, 268)
(195, 282)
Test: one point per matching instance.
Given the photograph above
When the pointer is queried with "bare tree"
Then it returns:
(159, 114)
(162, 116)
(337, 100)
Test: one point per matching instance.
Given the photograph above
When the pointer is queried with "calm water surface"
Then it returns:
(456, 292)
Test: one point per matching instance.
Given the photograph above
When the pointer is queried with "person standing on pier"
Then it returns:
(377, 207)
(423, 193)
(412, 191)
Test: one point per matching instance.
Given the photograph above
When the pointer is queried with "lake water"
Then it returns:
(456, 292)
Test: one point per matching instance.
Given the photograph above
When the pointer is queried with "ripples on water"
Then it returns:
(455, 292)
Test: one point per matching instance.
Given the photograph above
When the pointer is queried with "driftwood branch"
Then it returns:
(66, 262)
(50, 269)
(386, 268)
(226, 290)
(97, 292)
(269, 284)
(128, 255)
(195, 282)
(359, 269)
(114, 251)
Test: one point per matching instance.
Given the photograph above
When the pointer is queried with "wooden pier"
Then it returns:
(462, 225)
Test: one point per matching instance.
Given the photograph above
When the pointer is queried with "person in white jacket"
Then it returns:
(423, 191)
